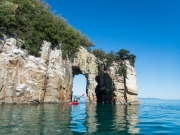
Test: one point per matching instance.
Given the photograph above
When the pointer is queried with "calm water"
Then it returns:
(151, 117)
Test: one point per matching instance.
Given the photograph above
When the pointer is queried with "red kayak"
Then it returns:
(73, 103)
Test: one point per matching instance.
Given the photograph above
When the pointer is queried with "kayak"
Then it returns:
(73, 103)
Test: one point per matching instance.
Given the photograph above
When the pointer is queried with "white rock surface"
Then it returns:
(49, 78)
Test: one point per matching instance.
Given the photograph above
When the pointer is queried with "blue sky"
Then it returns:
(150, 29)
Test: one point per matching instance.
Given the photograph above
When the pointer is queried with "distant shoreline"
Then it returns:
(156, 98)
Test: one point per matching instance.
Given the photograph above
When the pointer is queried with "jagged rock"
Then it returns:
(86, 64)
(45, 50)
(20, 89)
(10, 44)
(49, 78)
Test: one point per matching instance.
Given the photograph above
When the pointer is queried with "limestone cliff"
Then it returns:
(49, 78)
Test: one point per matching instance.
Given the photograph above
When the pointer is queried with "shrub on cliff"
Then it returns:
(110, 57)
(99, 53)
(122, 70)
(123, 54)
(70, 42)
(33, 22)
(132, 59)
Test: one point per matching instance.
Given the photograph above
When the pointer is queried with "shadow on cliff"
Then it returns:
(104, 89)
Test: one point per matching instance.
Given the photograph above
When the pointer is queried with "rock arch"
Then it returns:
(86, 64)
(106, 86)
(49, 78)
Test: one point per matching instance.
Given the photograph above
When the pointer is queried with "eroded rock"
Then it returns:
(49, 78)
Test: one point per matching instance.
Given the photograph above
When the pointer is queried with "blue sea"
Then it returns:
(152, 117)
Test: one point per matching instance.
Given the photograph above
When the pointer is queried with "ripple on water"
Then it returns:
(151, 117)
(159, 117)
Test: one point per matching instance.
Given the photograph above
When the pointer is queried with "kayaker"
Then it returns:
(75, 99)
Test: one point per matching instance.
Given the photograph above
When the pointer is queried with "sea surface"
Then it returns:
(152, 117)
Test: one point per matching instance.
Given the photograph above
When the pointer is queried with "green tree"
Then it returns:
(70, 42)
(85, 42)
(110, 57)
(99, 53)
(33, 22)
(7, 16)
(122, 54)
(132, 59)
(122, 70)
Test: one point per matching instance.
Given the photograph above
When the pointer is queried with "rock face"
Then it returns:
(49, 78)
(86, 64)
(125, 89)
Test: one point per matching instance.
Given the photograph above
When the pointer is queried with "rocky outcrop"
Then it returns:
(25, 78)
(87, 64)
(49, 78)
(125, 89)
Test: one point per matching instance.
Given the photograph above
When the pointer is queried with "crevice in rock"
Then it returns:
(104, 89)
(43, 92)
(50, 79)
(125, 88)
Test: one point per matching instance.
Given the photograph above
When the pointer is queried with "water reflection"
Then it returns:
(106, 119)
(35, 119)
(78, 116)
(86, 118)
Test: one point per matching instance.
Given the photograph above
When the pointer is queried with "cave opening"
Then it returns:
(79, 85)
(104, 89)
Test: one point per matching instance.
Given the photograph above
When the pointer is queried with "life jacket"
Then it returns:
(75, 99)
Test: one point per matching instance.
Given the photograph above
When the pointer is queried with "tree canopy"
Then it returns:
(99, 53)
(121, 55)
(32, 21)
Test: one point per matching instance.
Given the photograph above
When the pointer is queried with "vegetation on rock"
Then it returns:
(32, 21)
(99, 53)
(124, 55)
(122, 70)
(115, 56)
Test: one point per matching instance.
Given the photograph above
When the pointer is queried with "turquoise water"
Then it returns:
(159, 117)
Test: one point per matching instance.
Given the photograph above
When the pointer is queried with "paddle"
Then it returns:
(81, 96)
(70, 103)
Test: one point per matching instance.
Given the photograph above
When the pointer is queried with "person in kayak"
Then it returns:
(75, 99)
